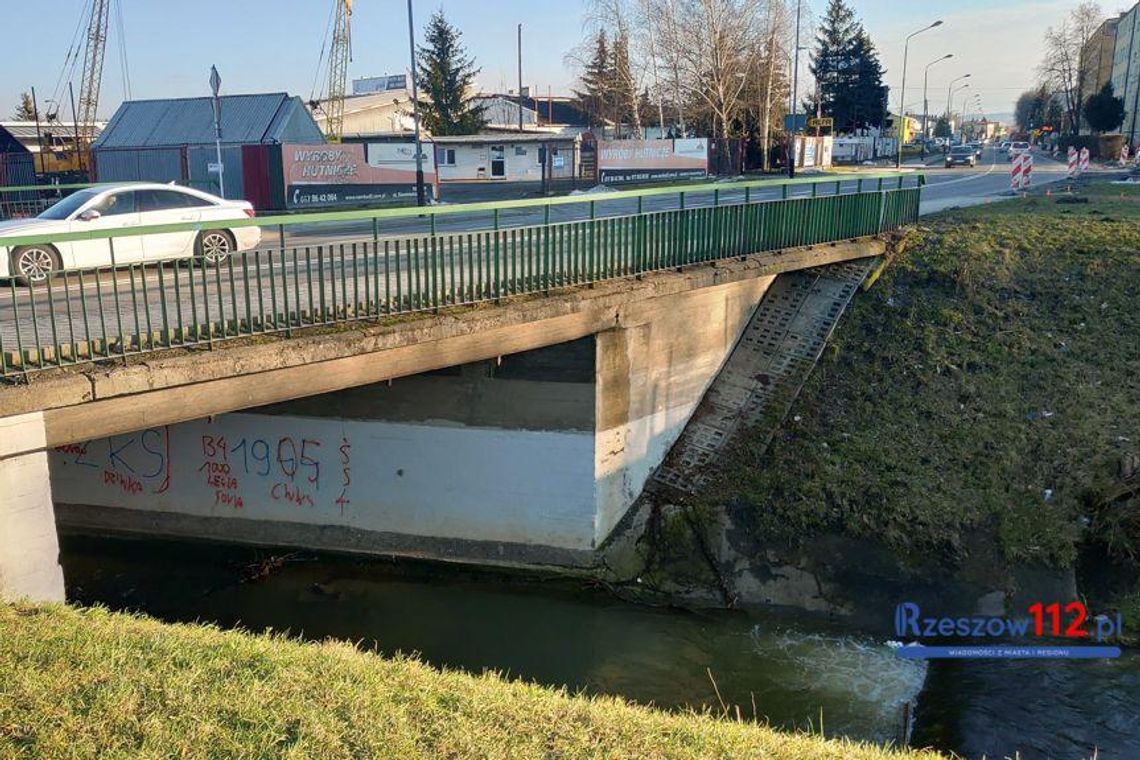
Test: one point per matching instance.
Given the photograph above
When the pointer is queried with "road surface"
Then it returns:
(328, 269)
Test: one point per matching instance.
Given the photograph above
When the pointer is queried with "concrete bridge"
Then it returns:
(495, 396)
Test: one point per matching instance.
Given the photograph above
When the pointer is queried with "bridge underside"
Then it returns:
(520, 433)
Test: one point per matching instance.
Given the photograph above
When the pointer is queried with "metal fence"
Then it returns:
(29, 200)
(311, 276)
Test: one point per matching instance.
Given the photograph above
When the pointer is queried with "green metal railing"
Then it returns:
(378, 263)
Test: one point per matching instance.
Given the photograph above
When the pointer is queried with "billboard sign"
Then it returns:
(622, 161)
(371, 85)
(320, 176)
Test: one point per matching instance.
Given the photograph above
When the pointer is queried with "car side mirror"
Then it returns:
(90, 215)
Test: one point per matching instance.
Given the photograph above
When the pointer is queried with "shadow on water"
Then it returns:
(559, 633)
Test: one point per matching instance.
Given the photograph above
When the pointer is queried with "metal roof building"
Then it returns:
(173, 140)
(17, 166)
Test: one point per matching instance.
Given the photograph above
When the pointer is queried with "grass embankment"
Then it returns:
(90, 683)
(985, 392)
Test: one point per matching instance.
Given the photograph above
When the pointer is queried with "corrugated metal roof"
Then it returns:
(25, 131)
(9, 144)
(246, 119)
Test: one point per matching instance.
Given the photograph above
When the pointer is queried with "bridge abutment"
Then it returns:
(29, 546)
(526, 459)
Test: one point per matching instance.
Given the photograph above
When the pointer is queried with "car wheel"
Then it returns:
(214, 247)
(34, 264)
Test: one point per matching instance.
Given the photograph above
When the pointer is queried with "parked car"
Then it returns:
(1004, 145)
(123, 207)
(961, 155)
(1017, 148)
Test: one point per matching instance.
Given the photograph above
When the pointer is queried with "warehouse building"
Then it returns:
(173, 140)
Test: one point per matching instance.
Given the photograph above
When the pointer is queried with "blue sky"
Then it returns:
(273, 45)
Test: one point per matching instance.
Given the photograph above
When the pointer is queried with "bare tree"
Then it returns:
(1060, 70)
(771, 81)
(713, 47)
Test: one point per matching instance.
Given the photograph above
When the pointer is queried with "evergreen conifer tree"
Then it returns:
(446, 79)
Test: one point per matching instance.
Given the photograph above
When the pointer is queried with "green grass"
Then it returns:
(90, 683)
(997, 360)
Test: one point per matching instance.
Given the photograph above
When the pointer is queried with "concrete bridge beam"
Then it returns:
(29, 546)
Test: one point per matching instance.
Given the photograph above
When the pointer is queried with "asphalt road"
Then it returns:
(328, 269)
(987, 182)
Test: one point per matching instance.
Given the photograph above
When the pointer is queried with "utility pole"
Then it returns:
(520, 81)
(75, 127)
(39, 134)
(795, 95)
(420, 195)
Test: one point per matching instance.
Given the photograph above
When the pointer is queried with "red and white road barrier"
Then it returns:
(1073, 164)
(1017, 171)
(1021, 172)
(1084, 161)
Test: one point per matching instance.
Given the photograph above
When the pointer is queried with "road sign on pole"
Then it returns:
(216, 87)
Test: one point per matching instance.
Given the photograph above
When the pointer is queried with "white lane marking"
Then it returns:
(986, 173)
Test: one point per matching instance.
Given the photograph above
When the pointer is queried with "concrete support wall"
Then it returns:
(651, 374)
(29, 547)
(533, 458)
(295, 476)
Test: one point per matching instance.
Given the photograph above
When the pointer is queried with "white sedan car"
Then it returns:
(122, 207)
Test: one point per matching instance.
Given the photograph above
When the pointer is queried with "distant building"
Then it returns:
(557, 114)
(517, 157)
(1126, 69)
(501, 112)
(982, 129)
(909, 126)
(17, 166)
(383, 114)
(173, 140)
(1097, 62)
(57, 139)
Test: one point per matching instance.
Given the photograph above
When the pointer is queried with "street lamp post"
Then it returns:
(955, 92)
(420, 194)
(950, 91)
(950, 107)
(961, 112)
(902, 94)
(926, 103)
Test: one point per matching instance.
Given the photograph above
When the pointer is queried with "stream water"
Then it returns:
(790, 670)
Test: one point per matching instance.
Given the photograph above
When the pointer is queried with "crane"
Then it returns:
(92, 72)
(339, 55)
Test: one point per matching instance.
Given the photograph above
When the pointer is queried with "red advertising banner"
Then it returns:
(652, 160)
(353, 174)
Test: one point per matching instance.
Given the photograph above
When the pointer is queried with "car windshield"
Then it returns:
(68, 205)
(965, 151)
